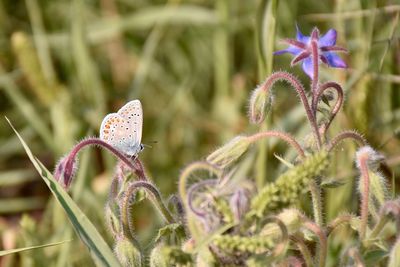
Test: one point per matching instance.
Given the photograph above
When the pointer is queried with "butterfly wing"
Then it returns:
(109, 130)
(123, 130)
(132, 112)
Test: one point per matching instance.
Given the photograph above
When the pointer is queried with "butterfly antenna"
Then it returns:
(150, 146)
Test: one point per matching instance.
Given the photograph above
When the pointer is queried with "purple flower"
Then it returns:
(301, 48)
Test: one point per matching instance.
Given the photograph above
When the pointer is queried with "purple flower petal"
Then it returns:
(334, 60)
(300, 37)
(328, 39)
(308, 67)
(291, 49)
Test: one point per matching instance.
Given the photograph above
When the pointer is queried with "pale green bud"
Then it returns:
(127, 253)
(260, 104)
(230, 152)
(157, 258)
(394, 257)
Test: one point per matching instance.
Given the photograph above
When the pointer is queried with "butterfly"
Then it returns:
(123, 130)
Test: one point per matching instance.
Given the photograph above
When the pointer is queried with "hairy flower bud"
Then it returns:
(373, 158)
(157, 258)
(127, 253)
(65, 171)
(162, 256)
(260, 104)
(230, 152)
(394, 257)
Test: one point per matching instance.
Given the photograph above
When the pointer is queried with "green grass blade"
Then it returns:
(99, 249)
(266, 27)
(17, 250)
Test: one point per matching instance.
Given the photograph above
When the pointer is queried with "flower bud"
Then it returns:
(230, 152)
(112, 218)
(163, 256)
(127, 253)
(157, 258)
(189, 245)
(260, 104)
(373, 158)
(65, 171)
(394, 257)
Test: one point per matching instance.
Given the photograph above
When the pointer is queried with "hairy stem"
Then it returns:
(295, 83)
(346, 135)
(315, 60)
(302, 247)
(336, 108)
(338, 221)
(183, 178)
(154, 196)
(362, 161)
(281, 135)
(135, 165)
(316, 202)
(322, 248)
(192, 190)
(314, 84)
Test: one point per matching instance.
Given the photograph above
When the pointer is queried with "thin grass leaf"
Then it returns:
(17, 250)
(27, 109)
(146, 18)
(23, 204)
(100, 252)
(16, 177)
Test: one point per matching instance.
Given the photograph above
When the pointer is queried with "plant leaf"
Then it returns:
(99, 250)
(17, 250)
(170, 229)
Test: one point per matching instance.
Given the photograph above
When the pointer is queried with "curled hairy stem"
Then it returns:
(176, 202)
(192, 190)
(338, 221)
(188, 171)
(282, 244)
(346, 135)
(302, 247)
(154, 196)
(295, 83)
(282, 135)
(319, 232)
(336, 108)
(135, 165)
(354, 254)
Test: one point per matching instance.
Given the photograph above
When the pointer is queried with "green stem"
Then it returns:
(281, 135)
(316, 202)
(363, 158)
(322, 246)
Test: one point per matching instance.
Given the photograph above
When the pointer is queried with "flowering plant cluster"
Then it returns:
(222, 219)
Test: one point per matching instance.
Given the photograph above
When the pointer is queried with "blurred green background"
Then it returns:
(65, 64)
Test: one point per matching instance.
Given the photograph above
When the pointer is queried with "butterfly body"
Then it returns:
(123, 129)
